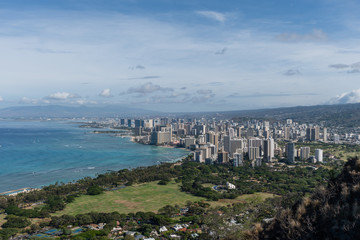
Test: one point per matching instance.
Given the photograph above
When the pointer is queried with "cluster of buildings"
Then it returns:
(225, 141)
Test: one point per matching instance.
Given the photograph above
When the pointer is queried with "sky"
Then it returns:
(177, 56)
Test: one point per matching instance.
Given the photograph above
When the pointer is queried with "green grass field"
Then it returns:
(144, 197)
(250, 198)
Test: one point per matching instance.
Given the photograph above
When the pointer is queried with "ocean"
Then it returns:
(38, 153)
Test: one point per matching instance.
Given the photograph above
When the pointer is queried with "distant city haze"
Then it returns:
(189, 56)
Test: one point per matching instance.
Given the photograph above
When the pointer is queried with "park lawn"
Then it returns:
(248, 198)
(143, 197)
(346, 155)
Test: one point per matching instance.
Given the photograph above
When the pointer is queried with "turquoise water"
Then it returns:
(38, 153)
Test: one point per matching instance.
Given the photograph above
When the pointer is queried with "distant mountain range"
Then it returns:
(56, 111)
(346, 115)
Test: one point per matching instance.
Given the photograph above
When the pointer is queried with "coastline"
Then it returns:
(73, 156)
(70, 174)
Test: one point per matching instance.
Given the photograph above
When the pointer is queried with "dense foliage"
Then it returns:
(331, 212)
(207, 181)
(94, 190)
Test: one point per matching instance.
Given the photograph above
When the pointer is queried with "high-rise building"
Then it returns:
(266, 125)
(254, 152)
(304, 153)
(158, 138)
(315, 133)
(286, 133)
(216, 141)
(139, 123)
(149, 123)
(226, 143)
(238, 159)
(250, 133)
(319, 155)
(200, 129)
(308, 134)
(199, 156)
(213, 138)
(325, 134)
(266, 134)
(231, 132)
(189, 141)
(138, 131)
(236, 144)
(223, 157)
(255, 142)
(290, 152)
(268, 149)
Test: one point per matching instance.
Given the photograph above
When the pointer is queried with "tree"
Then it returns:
(94, 190)
(16, 222)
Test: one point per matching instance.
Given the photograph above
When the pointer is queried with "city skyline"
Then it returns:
(187, 56)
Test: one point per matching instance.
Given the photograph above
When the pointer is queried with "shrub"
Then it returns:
(94, 190)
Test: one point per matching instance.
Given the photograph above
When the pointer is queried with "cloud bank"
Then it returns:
(347, 97)
(352, 68)
(61, 96)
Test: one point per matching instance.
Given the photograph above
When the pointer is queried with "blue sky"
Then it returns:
(179, 55)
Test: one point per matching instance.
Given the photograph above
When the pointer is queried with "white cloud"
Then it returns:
(61, 96)
(106, 93)
(182, 54)
(148, 87)
(1, 99)
(347, 97)
(220, 17)
(26, 100)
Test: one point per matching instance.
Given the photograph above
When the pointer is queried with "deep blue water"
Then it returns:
(38, 153)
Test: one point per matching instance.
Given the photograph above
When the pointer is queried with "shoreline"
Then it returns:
(131, 138)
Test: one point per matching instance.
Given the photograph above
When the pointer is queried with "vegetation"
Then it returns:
(7, 233)
(331, 212)
(143, 197)
(146, 198)
(16, 222)
(94, 190)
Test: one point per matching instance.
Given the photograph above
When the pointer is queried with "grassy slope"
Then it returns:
(253, 198)
(143, 197)
(2, 219)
